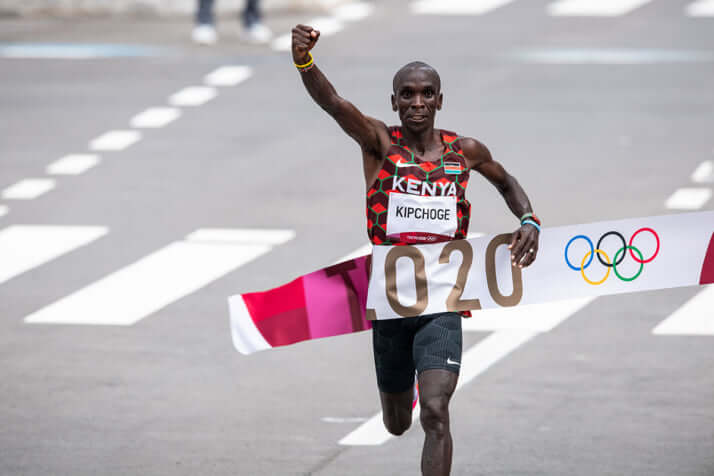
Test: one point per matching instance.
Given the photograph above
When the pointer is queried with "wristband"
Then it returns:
(531, 222)
(532, 217)
(301, 66)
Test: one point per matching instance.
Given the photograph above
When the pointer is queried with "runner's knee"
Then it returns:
(435, 415)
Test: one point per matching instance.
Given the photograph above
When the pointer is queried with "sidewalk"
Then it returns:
(147, 8)
(172, 34)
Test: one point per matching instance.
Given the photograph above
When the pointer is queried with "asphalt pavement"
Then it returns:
(599, 118)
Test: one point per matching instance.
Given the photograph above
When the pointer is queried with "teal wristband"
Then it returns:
(527, 215)
(531, 222)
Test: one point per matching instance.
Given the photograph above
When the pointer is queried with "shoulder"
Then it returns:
(475, 151)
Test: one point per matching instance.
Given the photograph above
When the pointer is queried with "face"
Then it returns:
(417, 98)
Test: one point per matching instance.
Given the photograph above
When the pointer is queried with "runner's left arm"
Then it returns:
(524, 238)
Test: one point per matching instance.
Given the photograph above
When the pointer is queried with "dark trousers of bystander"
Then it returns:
(250, 14)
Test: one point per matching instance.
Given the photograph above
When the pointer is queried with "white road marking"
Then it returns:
(365, 249)
(46, 52)
(115, 140)
(695, 317)
(701, 8)
(611, 56)
(23, 247)
(193, 96)
(594, 8)
(353, 11)
(27, 189)
(474, 362)
(73, 164)
(688, 199)
(244, 236)
(282, 42)
(228, 76)
(534, 317)
(328, 419)
(74, 51)
(325, 25)
(704, 173)
(456, 7)
(130, 294)
(155, 117)
(4, 209)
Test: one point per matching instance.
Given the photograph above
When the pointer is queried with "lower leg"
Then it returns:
(251, 13)
(204, 14)
(435, 390)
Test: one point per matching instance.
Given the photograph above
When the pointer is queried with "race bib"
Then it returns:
(416, 219)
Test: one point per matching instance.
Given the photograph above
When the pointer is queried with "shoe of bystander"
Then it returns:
(257, 34)
(204, 34)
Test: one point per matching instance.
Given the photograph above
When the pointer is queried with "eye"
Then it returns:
(406, 93)
(428, 92)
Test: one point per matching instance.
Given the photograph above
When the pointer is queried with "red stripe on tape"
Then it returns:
(707, 276)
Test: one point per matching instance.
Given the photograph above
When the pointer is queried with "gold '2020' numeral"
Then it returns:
(453, 301)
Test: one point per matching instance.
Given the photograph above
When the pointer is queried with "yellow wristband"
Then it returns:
(301, 66)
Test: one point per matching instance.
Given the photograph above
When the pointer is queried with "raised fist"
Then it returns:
(304, 39)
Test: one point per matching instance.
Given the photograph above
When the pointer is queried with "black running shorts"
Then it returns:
(402, 346)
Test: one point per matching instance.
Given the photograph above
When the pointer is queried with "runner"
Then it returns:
(416, 178)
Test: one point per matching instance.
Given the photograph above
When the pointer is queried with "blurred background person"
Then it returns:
(254, 31)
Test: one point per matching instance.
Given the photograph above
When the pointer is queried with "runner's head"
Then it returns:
(417, 95)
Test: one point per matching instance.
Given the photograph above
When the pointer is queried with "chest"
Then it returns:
(404, 172)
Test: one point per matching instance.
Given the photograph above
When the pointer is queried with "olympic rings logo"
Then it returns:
(617, 259)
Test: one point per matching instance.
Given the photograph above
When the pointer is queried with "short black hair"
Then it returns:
(411, 67)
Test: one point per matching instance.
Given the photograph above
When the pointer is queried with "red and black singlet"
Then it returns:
(417, 201)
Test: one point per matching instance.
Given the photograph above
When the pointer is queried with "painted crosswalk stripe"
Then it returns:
(694, 317)
(361, 251)
(115, 140)
(151, 283)
(701, 8)
(155, 117)
(325, 25)
(72, 164)
(193, 96)
(594, 8)
(4, 209)
(228, 76)
(354, 11)
(24, 247)
(688, 199)
(456, 7)
(704, 173)
(28, 189)
(474, 362)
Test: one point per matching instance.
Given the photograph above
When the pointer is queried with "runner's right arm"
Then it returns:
(371, 134)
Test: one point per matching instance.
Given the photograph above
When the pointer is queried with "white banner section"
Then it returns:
(595, 259)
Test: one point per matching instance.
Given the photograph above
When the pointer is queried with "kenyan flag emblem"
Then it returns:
(453, 168)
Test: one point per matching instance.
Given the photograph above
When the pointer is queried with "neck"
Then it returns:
(421, 141)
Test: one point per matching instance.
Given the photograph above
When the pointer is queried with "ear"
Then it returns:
(394, 103)
(440, 102)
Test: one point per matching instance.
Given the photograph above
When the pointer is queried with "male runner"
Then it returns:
(430, 166)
